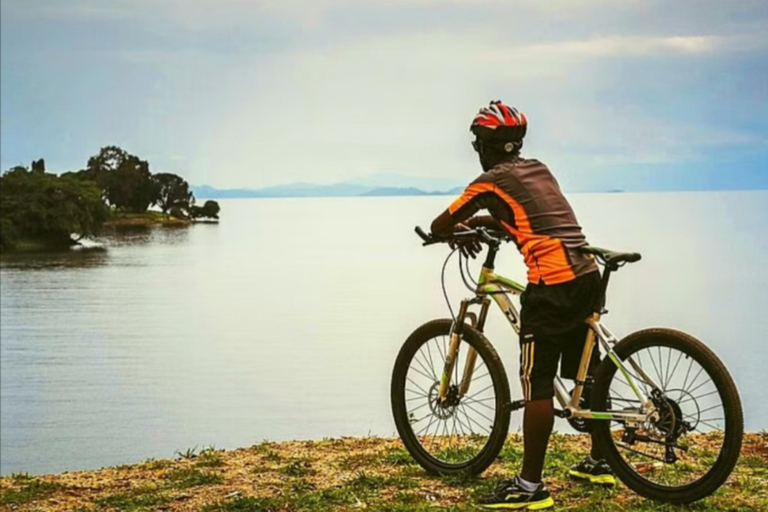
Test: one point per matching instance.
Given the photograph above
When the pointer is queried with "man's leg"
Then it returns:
(537, 426)
(538, 364)
(594, 452)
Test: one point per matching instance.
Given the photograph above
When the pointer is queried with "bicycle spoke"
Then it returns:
(687, 373)
(473, 420)
(422, 418)
(421, 373)
(655, 368)
(710, 408)
(427, 427)
(674, 370)
(439, 350)
(430, 361)
(468, 425)
(479, 377)
(481, 399)
(710, 425)
(699, 386)
(478, 412)
(642, 381)
(484, 405)
(419, 407)
(697, 397)
(701, 369)
(428, 368)
(484, 389)
(422, 389)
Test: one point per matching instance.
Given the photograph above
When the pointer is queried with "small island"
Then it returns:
(43, 211)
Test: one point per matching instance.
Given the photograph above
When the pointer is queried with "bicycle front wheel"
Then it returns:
(690, 447)
(464, 433)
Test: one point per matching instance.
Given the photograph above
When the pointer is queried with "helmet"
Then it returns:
(499, 123)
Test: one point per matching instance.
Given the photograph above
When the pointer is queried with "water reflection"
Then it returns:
(140, 235)
(84, 256)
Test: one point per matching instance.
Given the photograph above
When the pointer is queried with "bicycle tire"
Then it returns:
(498, 435)
(726, 388)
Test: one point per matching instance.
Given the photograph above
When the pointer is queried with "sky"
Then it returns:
(636, 94)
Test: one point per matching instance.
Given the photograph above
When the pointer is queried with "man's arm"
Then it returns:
(465, 206)
(445, 224)
(484, 221)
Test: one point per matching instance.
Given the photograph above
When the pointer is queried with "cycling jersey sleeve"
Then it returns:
(465, 206)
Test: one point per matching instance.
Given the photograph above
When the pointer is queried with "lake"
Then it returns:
(283, 321)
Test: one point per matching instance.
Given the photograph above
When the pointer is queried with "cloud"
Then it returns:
(255, 93)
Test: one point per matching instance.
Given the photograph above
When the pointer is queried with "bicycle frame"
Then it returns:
(498, 289)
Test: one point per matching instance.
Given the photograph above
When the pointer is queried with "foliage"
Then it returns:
(124, 177)
(209, 210)
(42, 209)
(173, 192)
(42, 206)
(38, 165)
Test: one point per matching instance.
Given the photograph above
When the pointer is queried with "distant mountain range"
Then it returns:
(377, 185)
(638, 178)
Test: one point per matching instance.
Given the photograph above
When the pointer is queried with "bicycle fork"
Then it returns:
(453, 348)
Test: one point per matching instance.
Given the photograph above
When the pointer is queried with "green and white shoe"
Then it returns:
(510, 495)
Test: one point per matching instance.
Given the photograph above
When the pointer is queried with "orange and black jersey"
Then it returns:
(524, 197)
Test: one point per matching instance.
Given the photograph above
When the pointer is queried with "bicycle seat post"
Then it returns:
(604, 287)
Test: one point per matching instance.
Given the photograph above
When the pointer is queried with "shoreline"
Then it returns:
(148, 218)
(345, 474)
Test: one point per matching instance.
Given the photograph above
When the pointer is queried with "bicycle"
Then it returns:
(651, 424)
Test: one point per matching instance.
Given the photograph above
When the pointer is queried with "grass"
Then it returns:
(185, 478)
(142, 498)
(188, 454)
(210, 458)
(29, 490)
(348, 475)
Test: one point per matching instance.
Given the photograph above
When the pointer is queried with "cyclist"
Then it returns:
(524, 200)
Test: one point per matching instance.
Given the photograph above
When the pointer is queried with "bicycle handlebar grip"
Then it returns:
(422, 234)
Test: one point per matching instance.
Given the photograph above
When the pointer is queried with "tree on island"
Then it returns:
(125, 179)
(210, 210)
(173, 192)
(46, 209)
(38, 165)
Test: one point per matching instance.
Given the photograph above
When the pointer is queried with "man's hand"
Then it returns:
(469, 247)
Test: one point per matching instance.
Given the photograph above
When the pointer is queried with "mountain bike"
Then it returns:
(661, 407)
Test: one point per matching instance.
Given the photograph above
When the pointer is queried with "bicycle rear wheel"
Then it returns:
(466, 433)
(690, 449)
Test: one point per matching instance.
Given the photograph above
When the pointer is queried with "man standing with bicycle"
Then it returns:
(525, 201)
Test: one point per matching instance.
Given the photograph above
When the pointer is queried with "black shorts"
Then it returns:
(552, 324)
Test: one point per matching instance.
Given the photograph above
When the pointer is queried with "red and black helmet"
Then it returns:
(498, 122)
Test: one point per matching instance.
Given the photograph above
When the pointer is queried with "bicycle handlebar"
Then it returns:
(481, 234)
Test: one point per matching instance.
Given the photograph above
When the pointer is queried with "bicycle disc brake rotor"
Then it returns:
(447, 408)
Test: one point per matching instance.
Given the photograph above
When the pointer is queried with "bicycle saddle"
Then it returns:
(611, 258)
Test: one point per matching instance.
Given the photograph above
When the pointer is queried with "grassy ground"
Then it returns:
(348, 475)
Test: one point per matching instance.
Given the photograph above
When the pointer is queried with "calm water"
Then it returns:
(284, 321)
